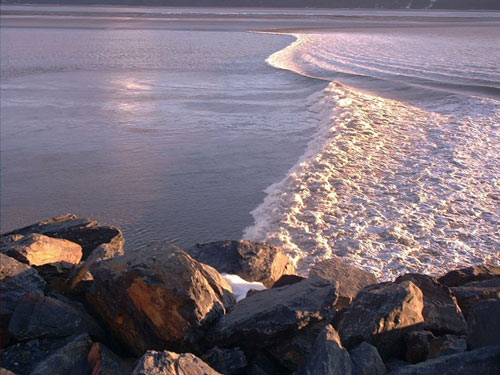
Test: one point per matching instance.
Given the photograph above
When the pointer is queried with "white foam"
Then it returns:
(241, 286)
(390, 187)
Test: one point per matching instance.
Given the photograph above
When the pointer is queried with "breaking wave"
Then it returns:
(389, 185)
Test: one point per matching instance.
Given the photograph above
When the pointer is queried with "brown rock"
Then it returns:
(327, 356)
(381, 314)
(418, 345)
(158, 297)
(169, 363)
(348, 279)
(87, 233)
(103, 361)
(471, 293)
(441, 312)
(37, 250)
(470, 274)
(252, 261)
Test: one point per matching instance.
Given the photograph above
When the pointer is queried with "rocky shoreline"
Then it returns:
(73, 302)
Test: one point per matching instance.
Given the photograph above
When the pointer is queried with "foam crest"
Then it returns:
(388, 186)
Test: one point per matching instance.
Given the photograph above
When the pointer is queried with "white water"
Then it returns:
(393, 186)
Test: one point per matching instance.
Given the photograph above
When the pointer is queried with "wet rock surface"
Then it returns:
(251, 261)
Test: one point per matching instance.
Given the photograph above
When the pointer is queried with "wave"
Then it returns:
(388, 185)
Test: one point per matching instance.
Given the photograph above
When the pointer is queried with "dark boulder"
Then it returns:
(381, 314)
(226, 361)
(484, 324)
(287, 280)
(36, 250)
(87, 233)
(348, 279)
(470, 274)
(170, 363)
(484, 361)
(441, 312)
(103, 361)
(39, 316)
(16, 279)
(471, 293)
(71, 359)
(327, 356)
(446, 345)
(418, 345)
(158, 297)
(275, 315)
(366, 360)
(252, 261)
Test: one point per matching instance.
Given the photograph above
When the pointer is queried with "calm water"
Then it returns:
(368, 135)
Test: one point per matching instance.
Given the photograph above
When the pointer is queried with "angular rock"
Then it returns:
(287, 280)
(366, 360)
(56, 275)
(226, 361)
(484, 324)
(471, 293)
(87, 233)
(480, 361)
(381, 314)
(441, 312)
(39, 316)
(446, 345)
(37, 250)
(327, 356)
(470, 274)
(348, 279)
(418, 345)
(99, 254)
(16, 279)
(71, 359)
(158, 297)
(4, 371)
(169, 363)
(251, 261)
(274, 315)
(263, 364)
(103, 361)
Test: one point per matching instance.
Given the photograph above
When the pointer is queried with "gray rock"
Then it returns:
(158, 297)
(251, 261)
(484, 324)
(87, 233)
(327, 356)
(470, 274)
(40, 316)
(273, 315)
(381, 314)
(36, 250)
(471, 293)
(441, 312)
(366, 360)
(418, 345)
(348, 279)
(71, 359)
(446, 345)
(170, 363)
(226, 361)
(16, 279)
(483, 361)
